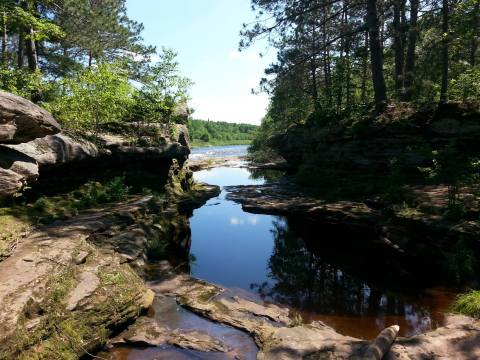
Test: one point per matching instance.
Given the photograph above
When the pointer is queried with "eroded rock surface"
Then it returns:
(281, 337)
(54, 150)
(44, 291)
(22, 121)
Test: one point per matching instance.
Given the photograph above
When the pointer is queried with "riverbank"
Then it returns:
(203, 144)
(279, 332)
(90, 258)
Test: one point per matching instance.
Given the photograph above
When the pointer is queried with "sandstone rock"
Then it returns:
(148, 299)
(16, 169)
(22, 120)
(57, 149)
(369, 149)
(146, 332)
(10, 182)
(88, 283)
(81, 257)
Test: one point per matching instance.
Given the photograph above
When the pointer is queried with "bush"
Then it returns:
(92, 98)
(466, 86)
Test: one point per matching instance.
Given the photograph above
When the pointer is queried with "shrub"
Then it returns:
(468, 304)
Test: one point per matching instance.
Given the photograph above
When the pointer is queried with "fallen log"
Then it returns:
(382, 343)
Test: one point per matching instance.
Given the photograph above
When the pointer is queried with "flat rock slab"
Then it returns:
(88, 283)
(47, 251)
(148, 333)
(279, 338)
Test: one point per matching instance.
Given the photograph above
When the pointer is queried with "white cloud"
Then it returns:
(236, 221)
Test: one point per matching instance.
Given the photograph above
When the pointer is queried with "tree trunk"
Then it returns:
(474, 41)
(365, 71)
(412, 44)
(32, 56)
(445, 43)
(316, 100)
(21, 45)
(4, 38)
(376, 56)
(326, 67)
(398, 45)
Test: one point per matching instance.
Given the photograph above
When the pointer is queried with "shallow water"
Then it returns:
(269, 257)
(215, 152)
(166, 312)
(283, 260)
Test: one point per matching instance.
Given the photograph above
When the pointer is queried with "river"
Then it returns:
(263, 255)
(274, 259)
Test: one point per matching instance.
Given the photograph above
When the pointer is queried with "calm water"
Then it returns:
(271, 257)
(169, 315)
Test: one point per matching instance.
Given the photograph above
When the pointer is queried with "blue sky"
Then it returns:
(206, 34)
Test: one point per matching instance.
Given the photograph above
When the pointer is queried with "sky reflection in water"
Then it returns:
(265, 255)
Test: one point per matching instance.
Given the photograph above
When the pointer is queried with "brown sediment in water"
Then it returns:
(168, 353)
(168, 314)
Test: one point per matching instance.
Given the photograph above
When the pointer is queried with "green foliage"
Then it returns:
(468, 304)
(94, 97)
(324, 74)
(221, 132)
(163, 90)
(467, 85)
(87, 64)
(22, 82)
(24, 17)
(48, 209)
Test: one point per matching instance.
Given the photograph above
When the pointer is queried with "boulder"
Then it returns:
(16, 169)
(10, 182)
(54, 150)
(22, 121)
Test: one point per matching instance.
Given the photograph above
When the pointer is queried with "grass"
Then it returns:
(11, 230)
(65, 334)
(468, 304)
(48, 209)
(199, 143)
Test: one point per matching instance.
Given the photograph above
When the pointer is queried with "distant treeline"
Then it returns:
(221, 132)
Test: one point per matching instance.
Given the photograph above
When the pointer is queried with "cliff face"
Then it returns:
(33, 150)
(370, 147)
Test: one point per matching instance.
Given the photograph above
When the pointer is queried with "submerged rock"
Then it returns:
(282, 338)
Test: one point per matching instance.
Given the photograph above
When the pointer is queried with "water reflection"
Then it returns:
(319, 290)
(277, 259)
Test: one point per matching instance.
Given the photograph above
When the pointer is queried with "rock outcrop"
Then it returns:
(33, 149)
(22, 120)
(71, 285)
(369, 147)
(55, 150)
(279, 336)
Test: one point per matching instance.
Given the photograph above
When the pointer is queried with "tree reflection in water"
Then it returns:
(311, 285)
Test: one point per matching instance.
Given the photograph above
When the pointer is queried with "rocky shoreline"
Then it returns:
(87, 282)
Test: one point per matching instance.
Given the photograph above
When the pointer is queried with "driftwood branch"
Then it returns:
(382, 343)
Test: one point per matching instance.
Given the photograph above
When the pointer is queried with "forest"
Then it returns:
(347, 59)
(220, 132)
(86, 62)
